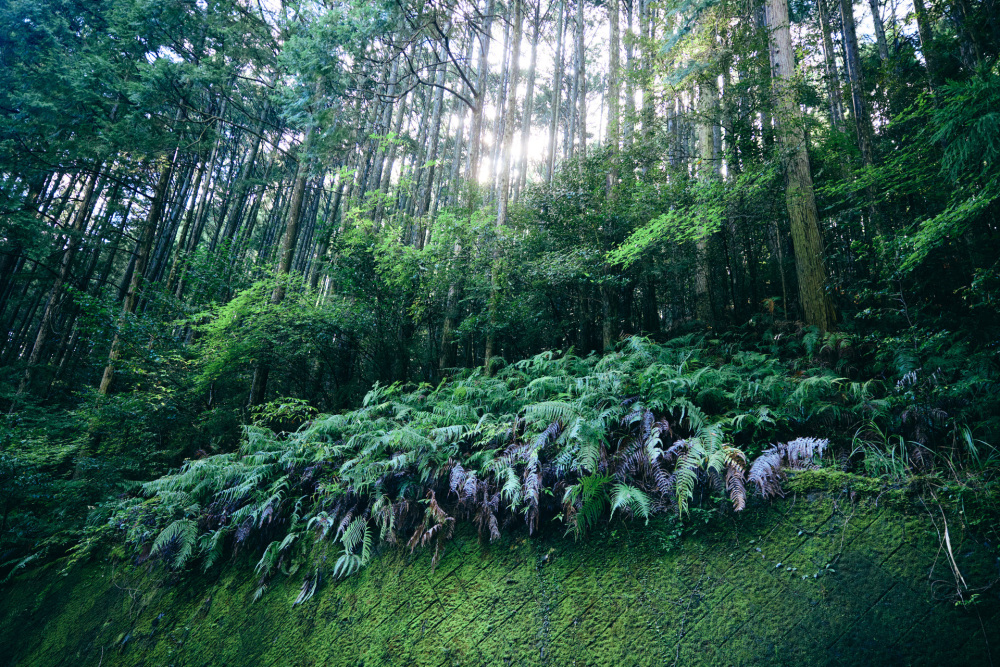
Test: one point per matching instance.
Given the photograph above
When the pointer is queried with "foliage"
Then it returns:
(552, 438)
(402, 274)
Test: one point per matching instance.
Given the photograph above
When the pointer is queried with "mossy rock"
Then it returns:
(829, 575)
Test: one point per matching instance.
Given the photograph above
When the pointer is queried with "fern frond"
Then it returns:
(177, 542)
(630, 498)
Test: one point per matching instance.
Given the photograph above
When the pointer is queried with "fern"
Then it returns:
(767, 472)
(585, 502)
(176, 542)
(553, 438)
(630, 499)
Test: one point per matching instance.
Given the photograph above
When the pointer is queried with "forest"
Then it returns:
(307, 279)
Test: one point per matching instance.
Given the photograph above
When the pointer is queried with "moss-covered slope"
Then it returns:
(818, 578)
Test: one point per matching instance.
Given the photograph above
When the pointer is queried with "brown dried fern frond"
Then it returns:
(799, 453)
(736, 465)
(767, 473)
(437, 527)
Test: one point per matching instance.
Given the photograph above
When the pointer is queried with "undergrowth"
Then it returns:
(555, 442)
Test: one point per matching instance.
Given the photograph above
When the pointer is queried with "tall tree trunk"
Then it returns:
(432, 150)
(862, 116)
(243, 183)
(799, 196)
(581, 77)
(629, 124)
(614, 92)
(501, 105)
(12, 258)
(529, 104)
(557, 78)
(968, 49)
(482, 82)
(55, 295)
(143, 247)
(289, 241)
(648, 102)
(390, 160)
(327, 236)
(572, 109)
(830, 65)
(446, 353)
(883, 46)
(181, 245)
(927, 44)
(168, 232)
(708, 170)
(504, 187)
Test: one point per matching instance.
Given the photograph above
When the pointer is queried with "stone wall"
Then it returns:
(822, 577)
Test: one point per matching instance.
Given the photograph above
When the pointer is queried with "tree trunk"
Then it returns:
(581, 77)
(614, 93)
(883, 46)
(390, 160)
(243, 183)
(289, 241)
(180, 249)
(557, 77)
(927, 44)
(143, 247)
(504, 187)
(55, 295)
(476, 132)
(862, 116)
(707, 171)
(508, 135)
(529, 103)
(629, 125)
(832, 77)
(501, 105)
(799, 196)
(432, 150)
(324, 244)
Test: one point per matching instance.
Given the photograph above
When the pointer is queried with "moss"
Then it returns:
(822, 577)
(832, 481)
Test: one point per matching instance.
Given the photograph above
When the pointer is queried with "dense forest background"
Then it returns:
(218, 213)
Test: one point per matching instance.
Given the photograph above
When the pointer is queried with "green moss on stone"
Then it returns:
(823, 577)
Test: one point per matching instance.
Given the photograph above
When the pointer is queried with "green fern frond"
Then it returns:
(180, 536)
(631, 498)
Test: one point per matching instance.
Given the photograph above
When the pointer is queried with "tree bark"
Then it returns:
(708, 167)
(799, 196)
(927, 44)
(629, 124)
(432, 150)
(581, 73)
(862, 116)
(258, 386)
(476, 132)
(614, 92)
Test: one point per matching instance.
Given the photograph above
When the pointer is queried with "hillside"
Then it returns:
(500, 332)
